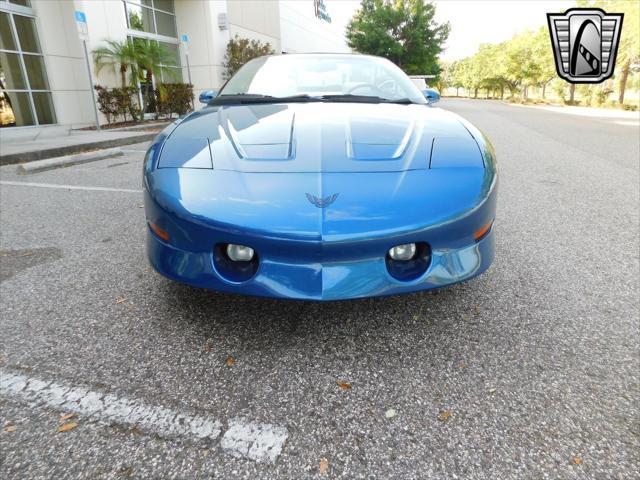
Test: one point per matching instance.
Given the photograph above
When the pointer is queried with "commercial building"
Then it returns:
(44, 82)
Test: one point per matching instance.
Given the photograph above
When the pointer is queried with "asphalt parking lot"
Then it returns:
(528, 371)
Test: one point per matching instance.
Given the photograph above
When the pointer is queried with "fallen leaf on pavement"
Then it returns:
(230, 361)
(324, 464)
(476, 309)
(121, 299)
(577, 460)
(127, 471)
(444, 415)
(10, 428)
(67, 416)
(343, 385)
(461, 365)
(67, 426)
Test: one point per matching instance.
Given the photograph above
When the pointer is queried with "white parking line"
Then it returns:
(69, 187)
(256, 441)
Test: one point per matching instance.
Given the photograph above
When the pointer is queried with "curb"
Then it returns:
(142, 128)
(51, 163)
(34, 155)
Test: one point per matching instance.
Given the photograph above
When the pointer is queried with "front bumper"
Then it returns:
(338, 279)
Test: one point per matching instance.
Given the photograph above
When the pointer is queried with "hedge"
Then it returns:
(174, 98)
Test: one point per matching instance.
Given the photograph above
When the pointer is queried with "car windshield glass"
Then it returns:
(328, 76)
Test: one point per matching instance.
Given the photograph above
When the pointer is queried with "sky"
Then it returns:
(474, 22)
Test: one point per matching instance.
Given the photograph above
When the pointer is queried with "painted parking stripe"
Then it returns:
(256, 441)
(69, 187)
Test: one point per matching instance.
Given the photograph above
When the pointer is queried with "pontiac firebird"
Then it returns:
(320, 177)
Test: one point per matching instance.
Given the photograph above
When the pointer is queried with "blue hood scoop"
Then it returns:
(260, 132)
(366, 140)
(320, 137)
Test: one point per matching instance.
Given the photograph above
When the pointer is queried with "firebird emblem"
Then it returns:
(322, 202)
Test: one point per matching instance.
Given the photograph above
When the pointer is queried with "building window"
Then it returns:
(154, 21)
(171, 73)
(25, 96)
(155, 17)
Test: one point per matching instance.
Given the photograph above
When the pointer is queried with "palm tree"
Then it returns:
(150, 55)
(121, 56)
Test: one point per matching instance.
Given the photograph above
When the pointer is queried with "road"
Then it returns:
(528, 371)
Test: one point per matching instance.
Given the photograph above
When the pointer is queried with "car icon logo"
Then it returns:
(322, 202)
(585, 43)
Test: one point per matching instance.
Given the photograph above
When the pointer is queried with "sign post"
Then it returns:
(83, 33)
(185, 46)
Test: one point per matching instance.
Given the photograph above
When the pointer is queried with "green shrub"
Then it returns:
(240, 51)
(118, 102)
(106, 102)
(559, 88)
(127, 102)
(173, 98)
(602, 94)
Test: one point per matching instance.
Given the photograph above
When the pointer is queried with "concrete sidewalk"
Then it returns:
(74, 141)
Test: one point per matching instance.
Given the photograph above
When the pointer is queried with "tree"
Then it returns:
(522, 68)
(149, 56)
(543, 54)
(121, 56)
(454, 76)
(240, 51)
(404, 31)
(444, 79)
(629, 47)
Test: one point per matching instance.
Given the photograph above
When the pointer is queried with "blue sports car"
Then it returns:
(320, 177)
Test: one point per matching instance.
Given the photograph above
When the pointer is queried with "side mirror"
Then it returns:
(208, 95)
(431, 95)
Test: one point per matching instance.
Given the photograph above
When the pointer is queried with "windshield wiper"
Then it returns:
(249, 98)
(401, 101)
(253, 98)
(364, 99)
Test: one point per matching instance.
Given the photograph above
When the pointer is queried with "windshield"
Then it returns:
(326, 76)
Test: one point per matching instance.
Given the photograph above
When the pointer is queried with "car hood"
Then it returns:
(311, 137)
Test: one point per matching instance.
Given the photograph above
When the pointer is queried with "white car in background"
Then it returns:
(420, 81)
